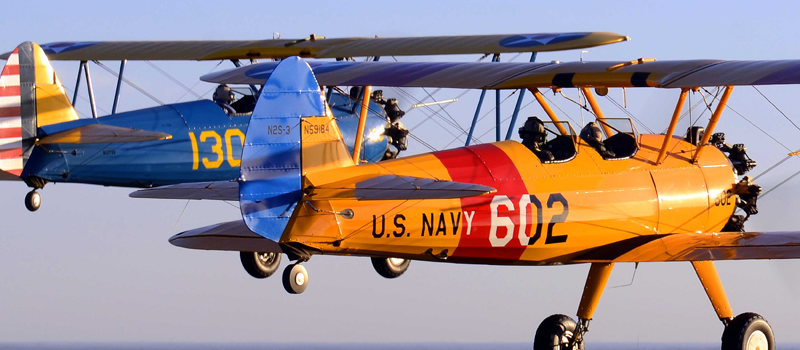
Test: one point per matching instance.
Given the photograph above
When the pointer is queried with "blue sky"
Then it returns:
(95, 265)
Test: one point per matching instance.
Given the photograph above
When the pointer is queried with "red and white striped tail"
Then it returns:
(10, 117)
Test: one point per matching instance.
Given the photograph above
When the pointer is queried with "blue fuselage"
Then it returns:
(206, 145)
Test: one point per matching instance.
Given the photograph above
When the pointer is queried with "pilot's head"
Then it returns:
(594, 131)
(223, 94)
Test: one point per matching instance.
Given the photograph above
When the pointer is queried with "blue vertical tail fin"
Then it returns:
(271, 169)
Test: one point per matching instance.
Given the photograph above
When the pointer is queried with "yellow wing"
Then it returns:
(320, 47)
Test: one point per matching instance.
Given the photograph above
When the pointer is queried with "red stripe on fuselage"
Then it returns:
(487, 165)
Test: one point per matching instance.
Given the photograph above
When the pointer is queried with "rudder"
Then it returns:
(30, 96)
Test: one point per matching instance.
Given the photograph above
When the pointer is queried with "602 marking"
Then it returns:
(524, 203)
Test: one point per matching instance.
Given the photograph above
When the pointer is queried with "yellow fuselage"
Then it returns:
(540, 214)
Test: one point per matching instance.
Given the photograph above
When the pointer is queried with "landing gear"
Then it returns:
(556, 333)
(260, 265)
(390, 267)
(748, 331)
(295, 279)
(560, 332)
(33, 200)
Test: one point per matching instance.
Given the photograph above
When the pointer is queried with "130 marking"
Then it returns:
(216, 148)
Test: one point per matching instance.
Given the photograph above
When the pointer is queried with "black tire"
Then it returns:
(291, 282)
(551, 333)
(390, 267)
(744, 329)
(260, 265)
(33, 200)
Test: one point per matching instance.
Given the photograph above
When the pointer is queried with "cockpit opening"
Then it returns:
(548, 145)
(623, 144)
(225, 97)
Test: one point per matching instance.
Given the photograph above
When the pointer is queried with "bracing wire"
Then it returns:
(127, 81)
(776, 107)
(173, 79)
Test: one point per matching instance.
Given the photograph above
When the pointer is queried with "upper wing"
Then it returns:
(394, 187)
(214, 190)
(324, 48)
(510, 75)
(98, 133)
(698, 247)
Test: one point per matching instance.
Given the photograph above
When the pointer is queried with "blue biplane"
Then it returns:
(42, 139)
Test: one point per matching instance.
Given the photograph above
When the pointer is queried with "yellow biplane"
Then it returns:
(600, 193)
(603, 195)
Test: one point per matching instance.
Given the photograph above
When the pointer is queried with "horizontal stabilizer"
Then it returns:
(232, 236)
(395, 187)
(214, 190)
(699, 247)
(99, 133)
(517, 75)
(320, 47)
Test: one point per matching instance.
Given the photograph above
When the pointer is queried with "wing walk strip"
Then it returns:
(10, 117)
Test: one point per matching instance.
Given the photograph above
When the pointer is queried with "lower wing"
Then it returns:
(698, 247)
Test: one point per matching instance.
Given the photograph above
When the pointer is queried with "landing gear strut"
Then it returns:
(746, 331)
(560, 332)
(33, 200)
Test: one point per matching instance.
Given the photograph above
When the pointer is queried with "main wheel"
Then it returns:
(748, 331)
(295, 279)
(33, 200)
(555, 333)
(260, 265)
(390, 267)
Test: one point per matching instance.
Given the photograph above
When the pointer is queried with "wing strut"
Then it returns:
(119, 85)
(553, 117)
(713, 122)
(362, 123)
(497, 122)
(674, 122)
(77, 83)
(90, 89)
(597, 111)
(495, 58)
(518, 106)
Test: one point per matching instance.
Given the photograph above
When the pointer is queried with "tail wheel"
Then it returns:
(748, 331)
(259, 264)
(555, 333)
(295, 279)
(390, 267)
(33, 200)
